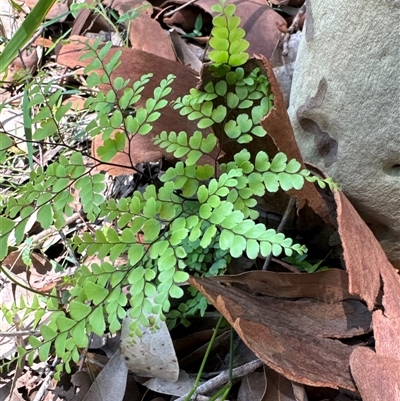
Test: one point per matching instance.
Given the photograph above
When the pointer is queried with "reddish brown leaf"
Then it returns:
(135, 63)
(258, 20)
(15, 263)
(288, 339)
(44, 42)
(377, 377)
(86, 19)
(387, 323)
(329, 286)
(147, 35)
(144, 33)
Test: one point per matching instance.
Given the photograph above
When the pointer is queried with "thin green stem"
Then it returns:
(203, 363)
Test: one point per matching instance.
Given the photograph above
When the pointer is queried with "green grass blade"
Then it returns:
(25, 32)
(28, 127)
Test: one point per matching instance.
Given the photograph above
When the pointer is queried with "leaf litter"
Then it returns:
(295, 323)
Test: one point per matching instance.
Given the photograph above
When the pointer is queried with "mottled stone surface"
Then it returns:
(345, 106)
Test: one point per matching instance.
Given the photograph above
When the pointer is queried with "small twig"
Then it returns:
(292, 28)
(169, 13)
(55, 78)
(46, 382)
(281, 227)
(50, 231)
(33, 38)
(223, 378)
(291, 268)
(69, 249)
(19, 333)
(20, 342)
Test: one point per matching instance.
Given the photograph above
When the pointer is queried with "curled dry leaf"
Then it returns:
(185, 52)
(147, 34)
(179, 388)
(292, 337)
(110, 384)
(362, 253)
(377, 375)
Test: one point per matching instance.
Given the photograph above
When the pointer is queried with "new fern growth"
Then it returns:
(198, 219)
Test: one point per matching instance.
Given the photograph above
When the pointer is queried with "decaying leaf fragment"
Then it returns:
(152, 355)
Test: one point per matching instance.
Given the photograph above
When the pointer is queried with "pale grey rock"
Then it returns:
(345, 106)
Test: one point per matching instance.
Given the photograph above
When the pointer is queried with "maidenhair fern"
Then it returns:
(194, 222)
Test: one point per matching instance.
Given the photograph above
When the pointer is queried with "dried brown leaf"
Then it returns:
(135, 63)
(111, 381)
(148, 35)
(328, 286)
(377, 374)
(289, 340)
(361, 252)
(123, 6)
(24, 63)
(185, 52)
(257, 18)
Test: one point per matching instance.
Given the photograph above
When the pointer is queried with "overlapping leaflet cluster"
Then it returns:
(195, 222)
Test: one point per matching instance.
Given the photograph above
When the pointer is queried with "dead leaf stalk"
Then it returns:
(281, 227)
(169, 13)
(293, 28)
